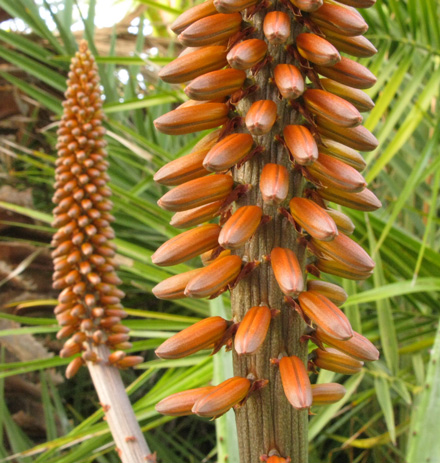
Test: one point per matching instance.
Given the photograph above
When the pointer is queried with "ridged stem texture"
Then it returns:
(289, 139)
(89, 309)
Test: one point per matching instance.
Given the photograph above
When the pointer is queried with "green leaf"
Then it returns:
(382, 388)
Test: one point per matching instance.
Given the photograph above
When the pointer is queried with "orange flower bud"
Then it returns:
(210, 30)
(287, 271)
(208, 141)
(313, 218)
(343, 153)
(129, 362)
(192, 15)
(215, 277)
(197, 192)
(296, 383)
(187, 245)
(240, 227)
(333, 360)
(344, 21)
(358, 3)
(216, 84)
(274, 183)
(173, 287)
(261, 117)
(317, 50)
(331, 291)
(332, 172)
(332, 107)
(289, 81)
(245, 55)
(342, 221)
(222, 397)
(345, 250)
(275, 459)
(206, 256)
(196, 216)
(358, 98)
(301, 144)
(252, 330)
(307, 5)
(327, 393)
(358, 46)
(348, 72)
(358, 347)
(199, 336)
(192, 119)
(326, 315)
(183, 169)
(276, 27)
(358, 138)
(341, 270)
(228, 151)
(180, 404)
(362, 201)
(194, 64)
(73, 367)
(233, 6)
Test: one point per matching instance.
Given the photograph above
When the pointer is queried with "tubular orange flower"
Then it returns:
(287, 271)
(215, 277)
(296, 383)
(358, 347)
(327, 393)
(196, 193)
(317, 50)
(187, 245)
(276, 27)
(313, 218)
(301, 144)
(261, 117)
(326, 315)
(181, 403)
(247, 54)
(240, 227)
(331, 291)
(252, 330)
(174, 287)
(199, 336)
(289, 81)
(274, 183)
(334, 360)
(221, 398)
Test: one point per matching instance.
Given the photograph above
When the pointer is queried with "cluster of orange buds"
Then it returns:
(286, 107)
(89, 306)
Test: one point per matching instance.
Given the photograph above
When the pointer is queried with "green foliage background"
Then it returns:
(388, 415)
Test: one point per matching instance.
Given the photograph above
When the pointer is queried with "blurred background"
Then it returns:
(391, 410)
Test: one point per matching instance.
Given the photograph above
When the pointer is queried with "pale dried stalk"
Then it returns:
(130, 442)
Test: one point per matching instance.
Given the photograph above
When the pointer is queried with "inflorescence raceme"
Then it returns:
(89, 308)
(298, 44)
